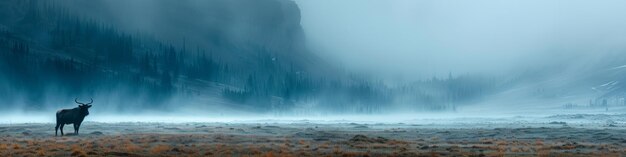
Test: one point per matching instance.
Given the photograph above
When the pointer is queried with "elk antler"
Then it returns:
(90, 101)
(76, 100)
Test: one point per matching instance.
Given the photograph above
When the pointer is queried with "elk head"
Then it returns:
(84, 106)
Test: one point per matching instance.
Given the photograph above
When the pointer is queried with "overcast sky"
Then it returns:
(420, 38)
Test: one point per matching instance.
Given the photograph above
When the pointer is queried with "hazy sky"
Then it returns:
(419, 38)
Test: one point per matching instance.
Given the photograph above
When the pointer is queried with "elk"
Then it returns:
(72, 116)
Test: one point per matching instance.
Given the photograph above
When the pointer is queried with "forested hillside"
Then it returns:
(51, 53)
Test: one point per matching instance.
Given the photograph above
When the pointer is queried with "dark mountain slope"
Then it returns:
(250, 60)
(215, 56)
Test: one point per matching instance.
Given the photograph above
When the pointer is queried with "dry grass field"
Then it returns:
(308, 139)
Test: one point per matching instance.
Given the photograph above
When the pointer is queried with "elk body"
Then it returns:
(72, 116)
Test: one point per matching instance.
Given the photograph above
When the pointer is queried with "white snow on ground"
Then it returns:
(431, 120)
(610, 84)
(619, 67)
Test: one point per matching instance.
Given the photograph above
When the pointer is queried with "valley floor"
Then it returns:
(314, 139)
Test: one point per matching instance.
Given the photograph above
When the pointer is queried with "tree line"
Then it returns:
(52, 53)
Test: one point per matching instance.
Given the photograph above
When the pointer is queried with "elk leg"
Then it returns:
(56, 130)
(62, 129)
(76, 129)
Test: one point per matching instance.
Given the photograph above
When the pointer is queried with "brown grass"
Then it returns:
(131, 147)
(41, 152)
(267, 146)
(543, 151)
(78, 153)
(158, 149)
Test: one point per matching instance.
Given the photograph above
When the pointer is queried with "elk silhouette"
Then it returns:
(72, 116)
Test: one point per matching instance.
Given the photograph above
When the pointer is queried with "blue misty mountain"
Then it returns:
(246, 55)
(53, 50)
(205, 56)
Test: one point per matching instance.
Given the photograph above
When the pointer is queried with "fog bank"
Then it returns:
(419, 39)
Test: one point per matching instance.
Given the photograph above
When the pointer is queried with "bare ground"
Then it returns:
(311, 139)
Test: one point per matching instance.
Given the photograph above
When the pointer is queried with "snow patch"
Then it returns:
(618, 67)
